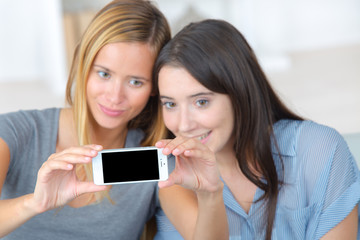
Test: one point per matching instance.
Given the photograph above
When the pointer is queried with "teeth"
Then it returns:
(203, 136)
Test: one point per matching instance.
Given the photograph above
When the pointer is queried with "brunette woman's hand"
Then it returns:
(195, 166)
(57, 183)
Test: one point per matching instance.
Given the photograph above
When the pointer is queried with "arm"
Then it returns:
(346, 229)
(14, 212)
(196, 208)
(56, 185)
(196, 216)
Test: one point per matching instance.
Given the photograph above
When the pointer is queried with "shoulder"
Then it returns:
(309, 150)
(24, 122)
(19, 127)
(320, 174)
(294, 137)
(313, 152)
(28, 118)
(30, 115)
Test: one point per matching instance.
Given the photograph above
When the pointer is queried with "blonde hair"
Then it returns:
(119, 21)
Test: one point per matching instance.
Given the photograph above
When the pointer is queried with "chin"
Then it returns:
(109, 124)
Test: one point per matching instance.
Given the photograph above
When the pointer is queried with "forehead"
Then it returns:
(135, 51)
(127, 58)
(178, 81)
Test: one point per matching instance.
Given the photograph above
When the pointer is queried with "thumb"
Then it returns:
(164, 184)
(174, 178)
(88, 187)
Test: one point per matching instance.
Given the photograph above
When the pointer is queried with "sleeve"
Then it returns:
(342, 189)
(16, 131)
(332, 178)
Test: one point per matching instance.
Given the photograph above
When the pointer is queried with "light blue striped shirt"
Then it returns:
(322, 186)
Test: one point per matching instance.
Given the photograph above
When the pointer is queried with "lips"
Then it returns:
(111, 112)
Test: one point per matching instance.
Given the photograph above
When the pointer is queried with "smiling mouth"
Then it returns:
(111, 112)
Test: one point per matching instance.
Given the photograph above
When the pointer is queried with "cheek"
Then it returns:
(92, 88)
(139, 98)
(228, 123)
(170, 121)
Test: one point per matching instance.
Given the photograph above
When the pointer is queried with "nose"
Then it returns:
(115, 92)
(186, 121)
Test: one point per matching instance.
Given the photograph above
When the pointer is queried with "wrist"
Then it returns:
(30, 206)
(214, 195)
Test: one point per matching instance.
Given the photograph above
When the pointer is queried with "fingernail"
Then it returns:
(176, 151)
(166, 151)
(98, 147)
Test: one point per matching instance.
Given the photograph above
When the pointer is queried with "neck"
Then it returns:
(226, 158)
(227, 162)
(110, 138)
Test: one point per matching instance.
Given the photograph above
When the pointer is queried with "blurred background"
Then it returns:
(309, 49)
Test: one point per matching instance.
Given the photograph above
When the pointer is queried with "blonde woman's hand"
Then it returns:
(57, 183)
(195, 166)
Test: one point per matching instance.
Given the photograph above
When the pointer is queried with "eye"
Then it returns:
(202, 103)
(136, 82)
(103, 74)
(169, 105)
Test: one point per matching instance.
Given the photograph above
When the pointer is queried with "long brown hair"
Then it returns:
(119, 21)
(217, 55)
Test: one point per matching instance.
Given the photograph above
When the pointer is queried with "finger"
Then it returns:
(164, 184)
(86, 150)
(189, 144)
(173, 179)
(196, 153)
(88, 187)
(45, 171)
(174, 144)
(165, 143)
(162, 143)
(176, 177)
(74, 155)
(56, 165)
(73, 158)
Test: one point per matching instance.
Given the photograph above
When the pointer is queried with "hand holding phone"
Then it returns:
(195, 166)
(129, 165)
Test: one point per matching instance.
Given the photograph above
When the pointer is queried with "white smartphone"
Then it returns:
(129, 165)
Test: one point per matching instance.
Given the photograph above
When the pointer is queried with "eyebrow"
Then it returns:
(191, 96)
(99, 66)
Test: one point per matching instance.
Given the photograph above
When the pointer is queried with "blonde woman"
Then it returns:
(45, 155)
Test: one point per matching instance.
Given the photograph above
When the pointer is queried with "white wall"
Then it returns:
(306, 24)
(32, 47)
(276, 26)
(31, 42)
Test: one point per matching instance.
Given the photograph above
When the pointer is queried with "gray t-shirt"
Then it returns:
(31, 136)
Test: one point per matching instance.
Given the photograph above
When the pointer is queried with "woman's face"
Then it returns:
(119, 83)
(191, 110)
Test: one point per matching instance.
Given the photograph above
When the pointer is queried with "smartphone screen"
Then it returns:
(130, 166)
